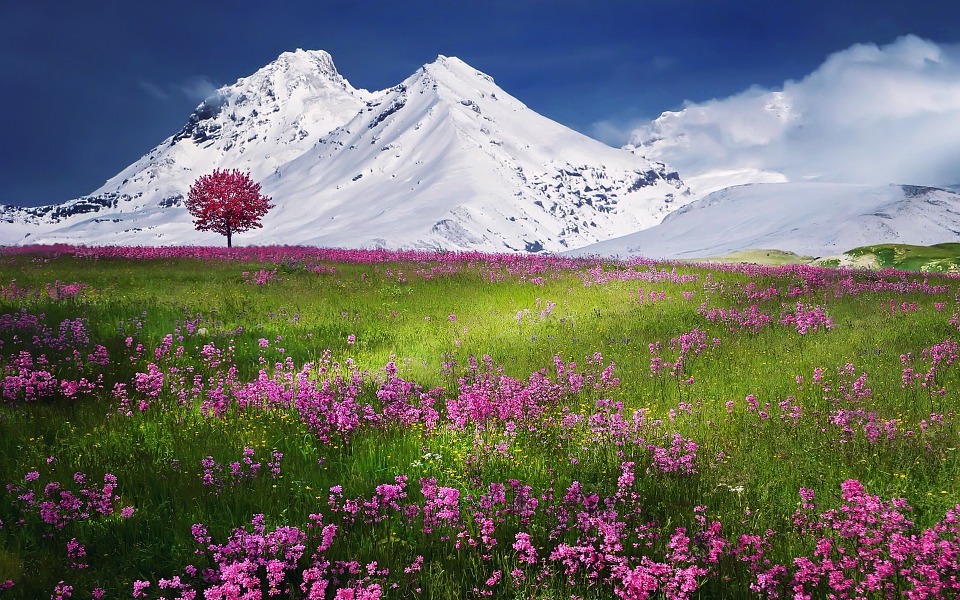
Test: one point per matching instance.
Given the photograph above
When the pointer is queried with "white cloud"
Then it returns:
(153, 90)
(614, 132)
(198, 88)
(868, 114)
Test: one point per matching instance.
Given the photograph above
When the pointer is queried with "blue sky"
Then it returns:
(89, 89)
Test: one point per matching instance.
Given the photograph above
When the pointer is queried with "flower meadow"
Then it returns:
(312, 423)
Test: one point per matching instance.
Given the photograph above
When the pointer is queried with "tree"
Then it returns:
(226, 202)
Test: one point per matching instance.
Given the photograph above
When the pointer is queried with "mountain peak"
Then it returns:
(453, 80)
(449, 61)
(297, 91)
(454, 66)
(306, 61)
(293, 69)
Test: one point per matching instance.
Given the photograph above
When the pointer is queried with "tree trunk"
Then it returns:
(229, 241)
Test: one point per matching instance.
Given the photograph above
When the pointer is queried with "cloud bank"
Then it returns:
(868, 114)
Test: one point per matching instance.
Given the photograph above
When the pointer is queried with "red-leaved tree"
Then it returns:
(226, 202)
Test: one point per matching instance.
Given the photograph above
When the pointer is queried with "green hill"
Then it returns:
(938, 258)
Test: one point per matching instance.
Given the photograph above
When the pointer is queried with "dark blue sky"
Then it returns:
(88, 88)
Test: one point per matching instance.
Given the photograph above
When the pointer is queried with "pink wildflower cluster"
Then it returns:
(751, 318)
(12, 291)
(865, 548)
(893, 308)
(66, 291)
(933, 361)
(807, 320)
(55, 291)
(807, 279)
(43, 362)
(679, 456)
(58, 504)
(331, 405)
(77, 554)
(259, 561)
(261, 276)
(868, 547)
(487, 395)
(688, 346)
(217, 476)
(532, 268)
(845, 388)
(652, 297)
(838, 406)
(637, 270)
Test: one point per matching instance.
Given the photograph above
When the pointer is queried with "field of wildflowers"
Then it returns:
(303, 423)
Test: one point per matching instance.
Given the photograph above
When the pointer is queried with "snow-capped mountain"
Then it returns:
(809, 219)
(446, 159)
(448, 148)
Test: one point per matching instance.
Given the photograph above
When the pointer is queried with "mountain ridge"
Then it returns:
(445, 159)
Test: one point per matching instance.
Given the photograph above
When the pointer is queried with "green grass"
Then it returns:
(936, 258)
(750, 469)
(768, 257)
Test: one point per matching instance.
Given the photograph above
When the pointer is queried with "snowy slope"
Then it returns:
(810, 219)
(446, 159)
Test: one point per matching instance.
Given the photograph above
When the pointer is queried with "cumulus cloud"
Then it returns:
(868, 114)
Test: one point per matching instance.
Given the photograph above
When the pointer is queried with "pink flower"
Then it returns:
(62, 590)
(526, 551)
(76, 552)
